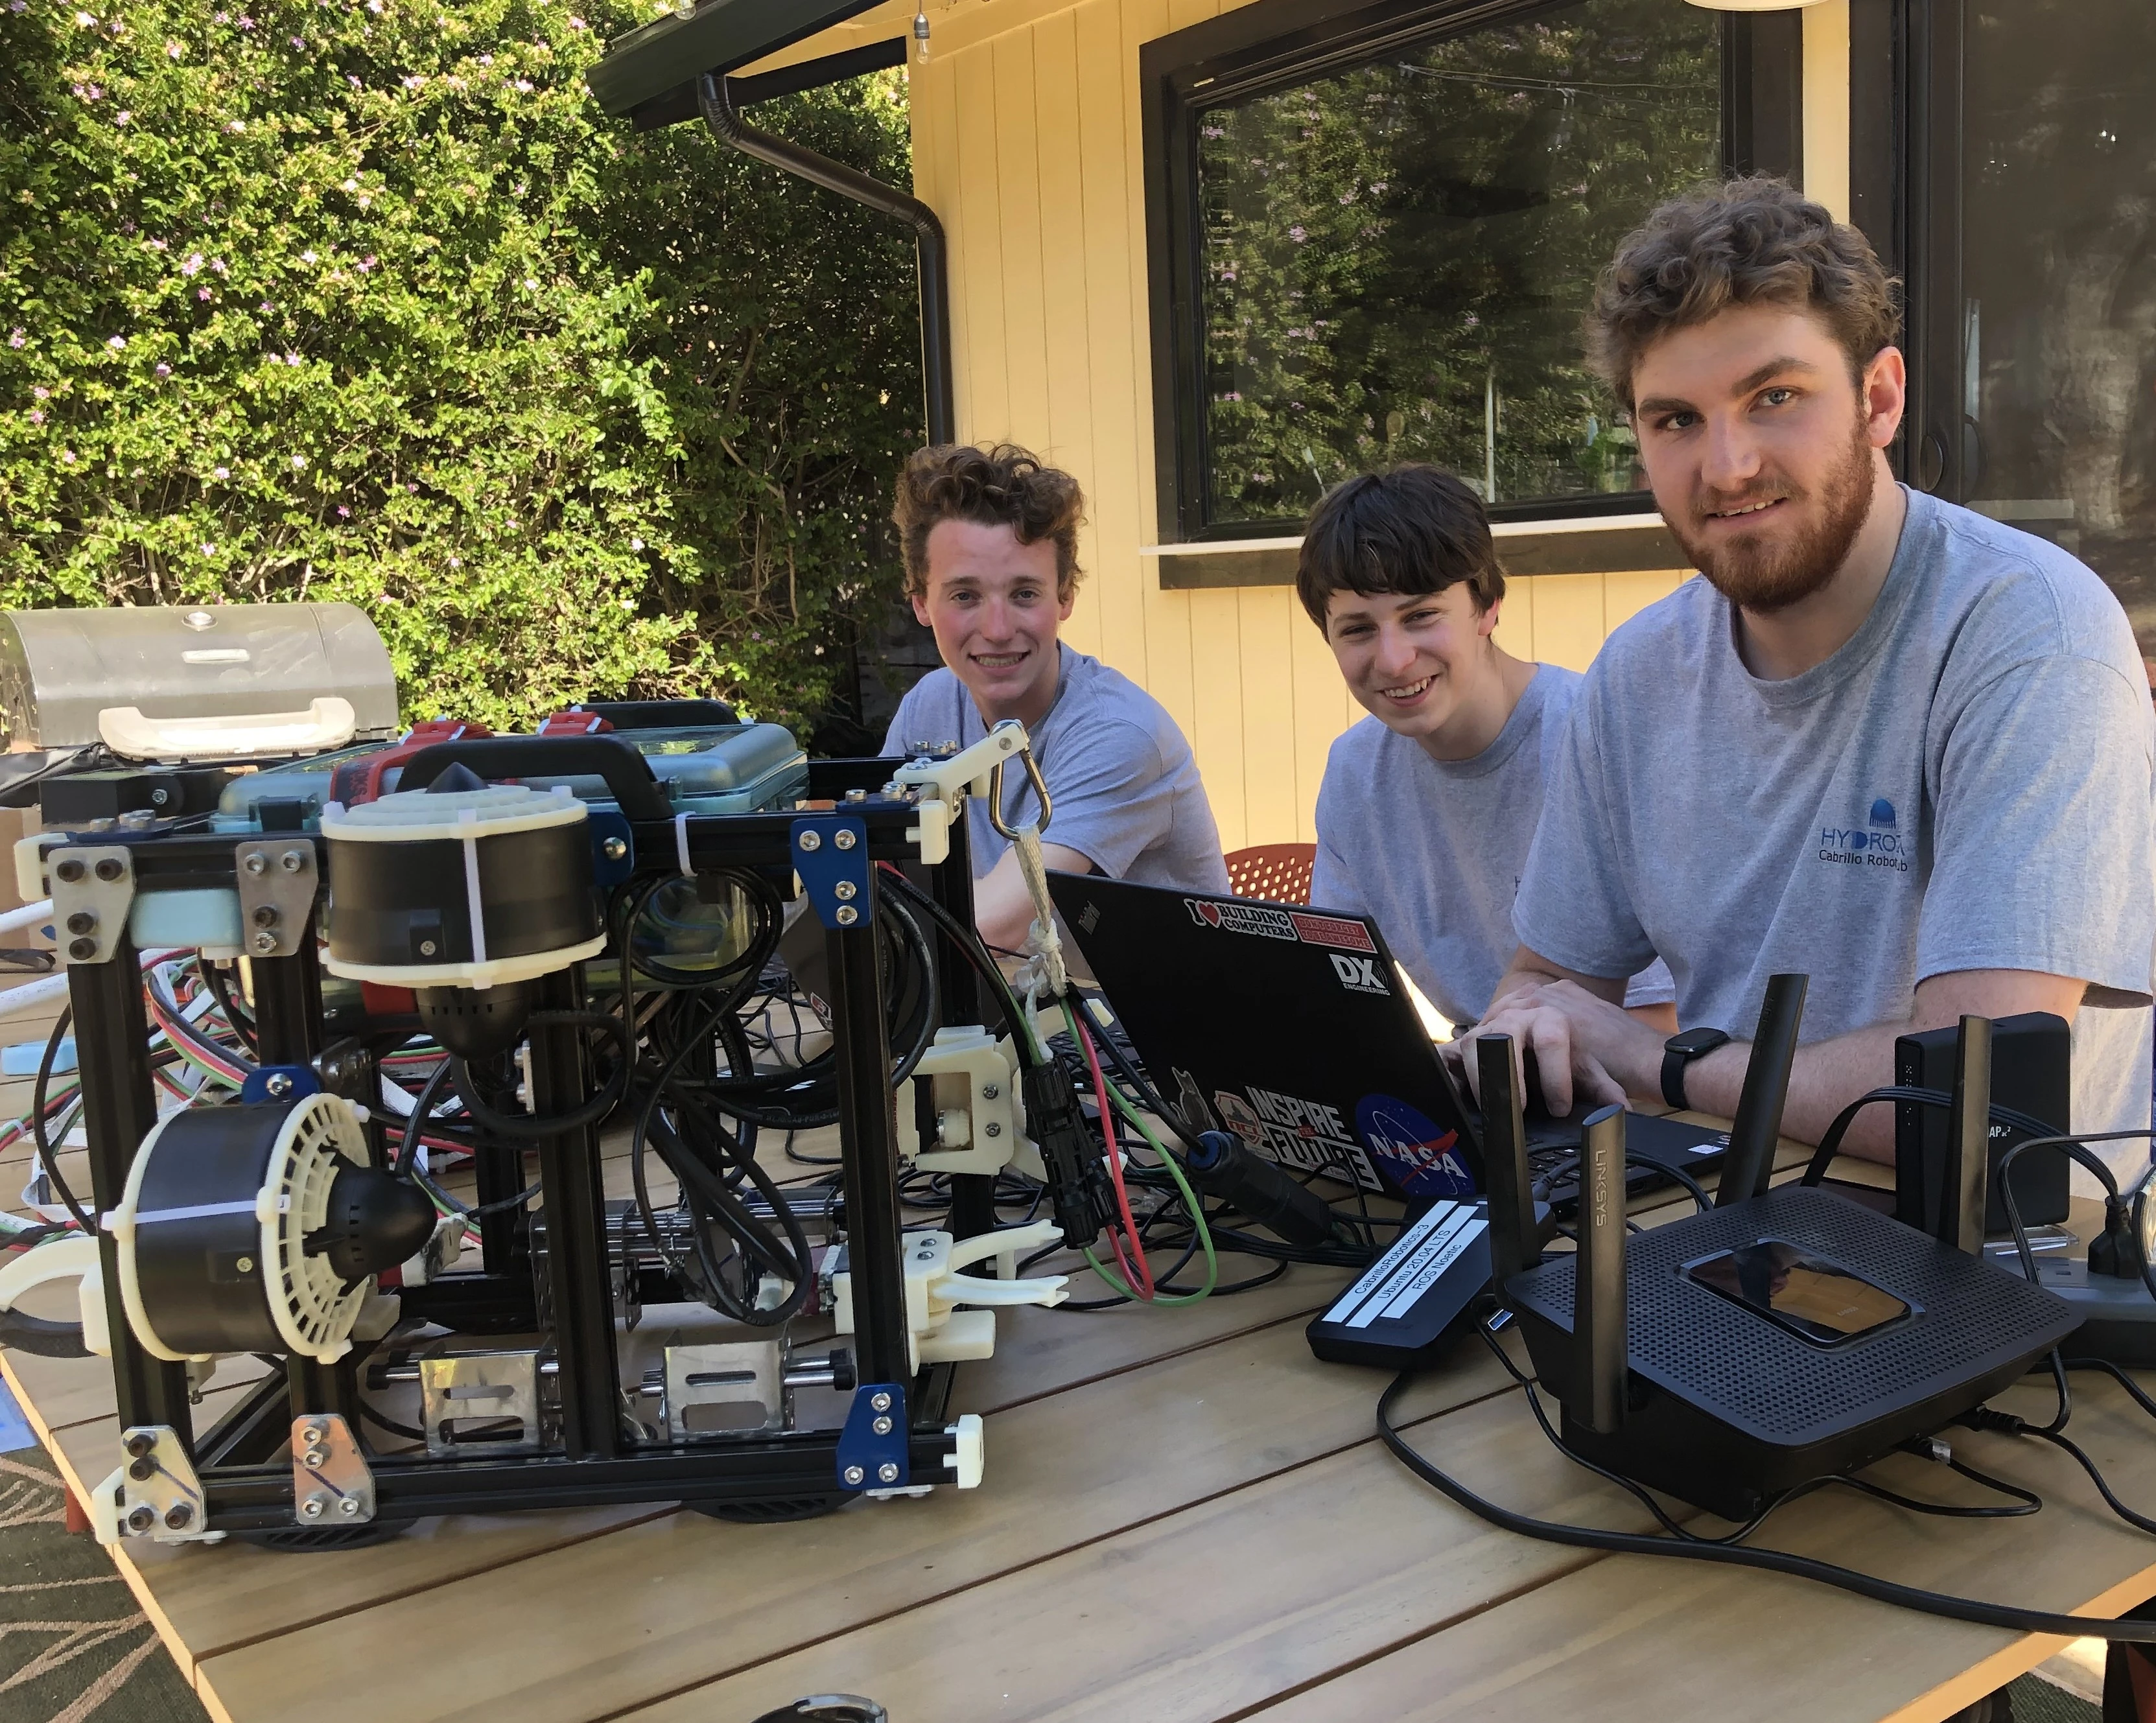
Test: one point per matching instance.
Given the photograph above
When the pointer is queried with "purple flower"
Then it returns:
(524, 85)
(172, 50)
(18, 5)
(575, 22)
(209, 548)
(366, 263)
(298, 42)
(191, 263)
(1297, 235)
(15, 337)
(36, 418)
(163, 371)
(343, 513)
(265, 307)
(41, 393)
(293, 360)
(86, 20)
(221, 472)
(245, 21)
(201, 293)
(122, 117)
(456, 563)
(116, 342)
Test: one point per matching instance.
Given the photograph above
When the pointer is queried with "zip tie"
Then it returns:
(681, 843)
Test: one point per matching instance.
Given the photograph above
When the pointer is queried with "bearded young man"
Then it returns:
(1886, 741)
(990, 539)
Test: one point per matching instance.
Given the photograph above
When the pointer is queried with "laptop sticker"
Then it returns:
(1305, 1135)
(1359, 975)
(1420, 1158)
(1332, 930)
(1241, 918)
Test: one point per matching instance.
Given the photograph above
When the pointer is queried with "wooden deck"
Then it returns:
(1185, 1516)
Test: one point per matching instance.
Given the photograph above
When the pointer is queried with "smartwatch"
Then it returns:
(1679, 1051)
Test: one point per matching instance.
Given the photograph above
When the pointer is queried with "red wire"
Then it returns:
(1140, 1282)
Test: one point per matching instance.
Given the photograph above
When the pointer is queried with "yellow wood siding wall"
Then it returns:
(1027, 144)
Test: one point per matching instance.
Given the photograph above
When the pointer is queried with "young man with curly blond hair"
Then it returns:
(990, 538)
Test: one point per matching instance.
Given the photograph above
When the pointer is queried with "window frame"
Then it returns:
(1271, 44)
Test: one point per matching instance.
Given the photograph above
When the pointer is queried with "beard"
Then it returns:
(1765, 573)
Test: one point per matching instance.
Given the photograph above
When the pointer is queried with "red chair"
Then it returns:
(1279, 873)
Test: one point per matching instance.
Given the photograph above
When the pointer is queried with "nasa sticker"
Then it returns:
(1418, 1156)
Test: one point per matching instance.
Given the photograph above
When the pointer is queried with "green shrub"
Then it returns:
(366, 300)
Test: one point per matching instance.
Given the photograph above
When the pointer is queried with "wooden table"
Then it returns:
(1185, 1517)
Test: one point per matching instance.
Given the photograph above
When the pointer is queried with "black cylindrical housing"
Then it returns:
(201, 1276)
(391, 901)
(1220, 1166)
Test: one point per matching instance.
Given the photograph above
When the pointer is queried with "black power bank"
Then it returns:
(2031, 1071)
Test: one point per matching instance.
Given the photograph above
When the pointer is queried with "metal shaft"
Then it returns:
(1964, 1189)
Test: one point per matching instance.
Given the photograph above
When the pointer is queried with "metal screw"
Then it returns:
(82, 949)
(845, 839)
(265, 943)
(292, 860)
(844, 890)
(138, 819)
(141, 1519)
(104, 824)
(349, 1507)
(160, 796)
(140, 1442)
(314, 1456)
(992, 1129)
(256, 862)
(110, 869)
(245, 1265)
(426, 948)
(69, 871)
(265, 916)
(847, 915)
(81, 921)
(855, 1474)
(312, 1507)
(857, 796)
(880, 1401)
(278, 1084)
(614, 849)
(888, 1471)
(142, 1469)
(317, 1434)
(179, 1514)
(881, 1427)
(811, 841)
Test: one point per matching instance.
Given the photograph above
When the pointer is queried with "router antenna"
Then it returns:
(1513, 1245)
(1758, 1126)
(1961, 1191)
(1598, 1340)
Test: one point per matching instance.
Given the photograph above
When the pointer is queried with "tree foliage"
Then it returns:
(366, 299)
(1396, 256)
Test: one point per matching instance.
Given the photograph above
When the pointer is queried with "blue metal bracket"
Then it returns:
(831, 856)
(279, 1083)
(614, 846)
(872, 1448)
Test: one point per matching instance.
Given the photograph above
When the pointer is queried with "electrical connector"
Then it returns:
(1078, 1181)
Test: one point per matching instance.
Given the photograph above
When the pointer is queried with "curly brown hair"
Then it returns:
(1000, 486)
(1750, 241)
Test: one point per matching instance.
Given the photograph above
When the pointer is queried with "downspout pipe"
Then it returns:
(715, 101)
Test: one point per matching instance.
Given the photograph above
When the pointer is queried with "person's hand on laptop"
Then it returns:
(1589, 1051)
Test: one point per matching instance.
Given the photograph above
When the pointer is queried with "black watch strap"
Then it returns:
(1679, 1051)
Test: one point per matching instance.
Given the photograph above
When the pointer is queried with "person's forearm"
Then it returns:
(1825, 1077)
(1530, 969)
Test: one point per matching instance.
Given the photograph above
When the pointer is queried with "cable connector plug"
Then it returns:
(1077, 1165)
(1985, 1418)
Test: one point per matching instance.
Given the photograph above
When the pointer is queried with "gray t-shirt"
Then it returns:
(1126, 792)
(1966, 784)
(1432, 849)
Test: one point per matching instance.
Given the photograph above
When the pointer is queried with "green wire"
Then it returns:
(1115, 1096)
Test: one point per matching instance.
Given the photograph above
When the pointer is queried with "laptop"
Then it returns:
(1290, 1027)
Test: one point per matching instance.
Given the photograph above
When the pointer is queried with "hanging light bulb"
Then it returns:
(921, 28)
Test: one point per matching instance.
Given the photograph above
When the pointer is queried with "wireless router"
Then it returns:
(1783, 1336)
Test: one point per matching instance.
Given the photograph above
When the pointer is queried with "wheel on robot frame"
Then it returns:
(779, 1511)
(317, 1540)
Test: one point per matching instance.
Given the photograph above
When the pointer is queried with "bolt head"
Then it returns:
(141, 1519)
(992, 1129)
(888, 1472)
(292, 860)
(266, 942)
(179, 1514)
(140, 1444)
(82, 921)
(160, 796)
(880, 1401)
(614, 849)
(245, 1265)
(279, 1084)
(82, 949)
(70, 871)
(426, 948)
(989, 1091)
(857, 795)
(314, 1457)
(349, 1507)
(855, 1474)
(142, 1470)
(844, 890)
(881, 1427)
(108, 869)
(265, 916)
(844, 839)
(312, 1507)
(812, 840)
(256, 862)
(847, 915)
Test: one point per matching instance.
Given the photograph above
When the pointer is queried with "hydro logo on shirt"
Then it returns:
(1418, 1156)
(1875, 842)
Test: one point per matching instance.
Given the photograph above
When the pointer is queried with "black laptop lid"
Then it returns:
(1286, 1025)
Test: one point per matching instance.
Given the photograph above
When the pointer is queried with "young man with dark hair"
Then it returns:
(1886, 741)
(1428, 804)
(990, 538)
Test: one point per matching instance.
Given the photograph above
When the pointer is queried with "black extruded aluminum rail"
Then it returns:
(716, 99)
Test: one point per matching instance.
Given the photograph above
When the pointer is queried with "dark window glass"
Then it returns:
(2059, 280)
(1396, 258)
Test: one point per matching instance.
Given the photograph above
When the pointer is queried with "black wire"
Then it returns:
(532, 1125)
(241, 1024)
(1863, 1585)
(46, 1155)
(415, 1124)
(971, 948)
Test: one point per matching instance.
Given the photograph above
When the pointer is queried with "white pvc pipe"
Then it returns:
(47, 990)
(29, 916)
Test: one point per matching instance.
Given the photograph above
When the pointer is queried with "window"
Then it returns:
(2018, 194)
(1379, 249)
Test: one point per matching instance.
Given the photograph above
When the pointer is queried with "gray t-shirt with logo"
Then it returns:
(1432, 849)
(1966, 784)
(1125, 791)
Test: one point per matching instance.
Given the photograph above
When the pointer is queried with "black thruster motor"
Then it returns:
(465, 892)
(258, 1227)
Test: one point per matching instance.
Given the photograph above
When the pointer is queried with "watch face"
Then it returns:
(1695, 1041)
